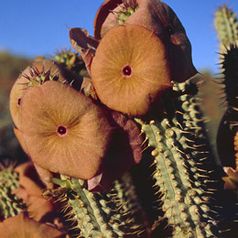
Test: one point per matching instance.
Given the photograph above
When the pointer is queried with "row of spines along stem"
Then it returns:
(226, 24)
(116, 213)
(187, 181)
(228, 126)
(10, 204)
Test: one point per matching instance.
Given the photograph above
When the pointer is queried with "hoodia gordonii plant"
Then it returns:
(189, 182)
(83, 127)
(21, 192)
(10, 204)
(229, 70)
(226, 24)
(228, 37)
(228, 126)
(116, 213)
(67, 128)
(185, 173)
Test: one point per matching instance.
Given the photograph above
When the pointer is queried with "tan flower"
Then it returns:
(41, 71)
(157, 17)
(23, 227)
(130, 70)
(102, 14)
(30, 191)
(16, 95)
(236, 149)
(231, 180)
(65, 132)
(20, 137)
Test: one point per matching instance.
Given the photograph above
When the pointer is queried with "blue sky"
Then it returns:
(33, 28)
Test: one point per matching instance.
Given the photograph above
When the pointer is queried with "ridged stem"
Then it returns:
(185, 169)
(113, 214)
(10, 204)
(226, 24)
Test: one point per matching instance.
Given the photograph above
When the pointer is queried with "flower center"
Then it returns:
(19, 101)
(62, 130)
(127, 71)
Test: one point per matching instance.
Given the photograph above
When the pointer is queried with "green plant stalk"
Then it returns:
(10, 205)
(229, 123)
(185, 170)
(71, 61)
(228, 126)
(230, 71)
(113, 214)
(226, 24)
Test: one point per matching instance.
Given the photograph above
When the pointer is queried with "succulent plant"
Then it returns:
(228, 125)
(226, 24)
(24, 227)
(82, 117)
(116, 213)
(72, 67)
(10, 204)
(226, 139)
(118, 70)
(186, 176)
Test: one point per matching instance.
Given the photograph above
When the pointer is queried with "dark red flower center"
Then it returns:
(19, 101)
(127, 71)
(62, 130)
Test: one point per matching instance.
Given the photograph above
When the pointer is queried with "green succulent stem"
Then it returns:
(126, 11)
(186, 175)
(10, 204)
(226, 24)
(229, 123)
(71, 61)
(113, 214)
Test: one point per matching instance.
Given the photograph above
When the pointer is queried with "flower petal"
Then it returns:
(83, 43)
(20, 137)
(159, 18)
(130, 70)
(17, 92)
(30, 191)
(40, 70)
(102, 14)
(23, 227)
(65, 131)
(231, 181)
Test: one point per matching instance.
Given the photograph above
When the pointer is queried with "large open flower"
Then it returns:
(130, 70)
(16, 95)
(23, 227)
(231, 178)
(157, 17)
(64, 131)
(41, 71)
(20, 137)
